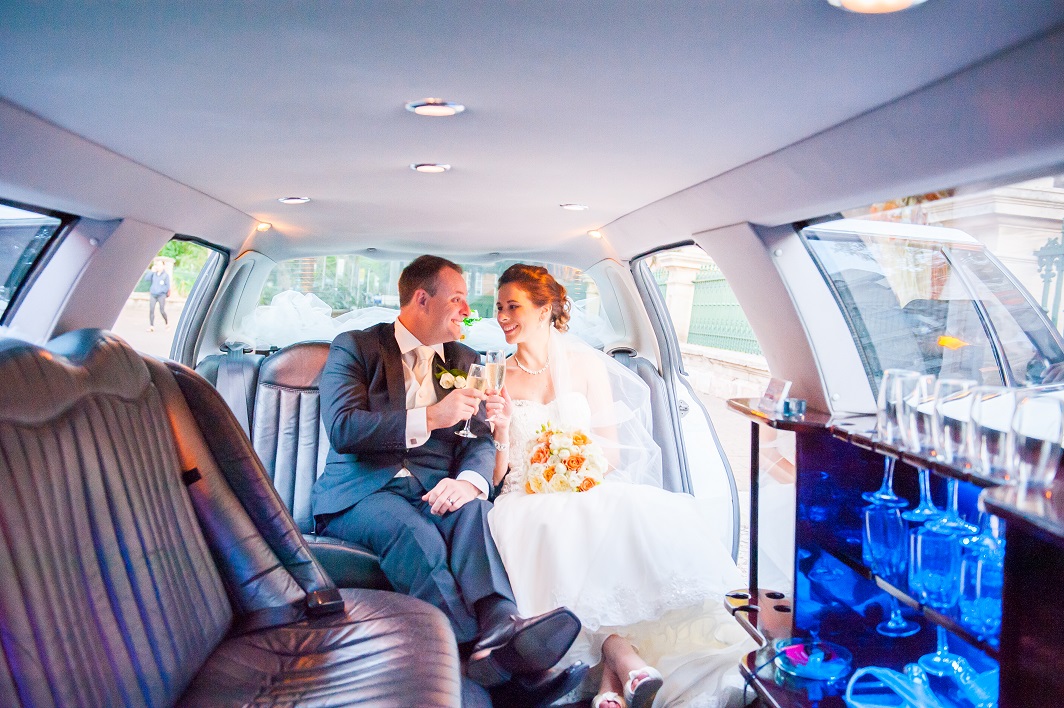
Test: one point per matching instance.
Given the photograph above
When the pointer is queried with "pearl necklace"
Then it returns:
(537, 372)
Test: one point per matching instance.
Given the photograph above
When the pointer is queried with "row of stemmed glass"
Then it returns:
(950, 572)
(949, 563)
(1011, 435)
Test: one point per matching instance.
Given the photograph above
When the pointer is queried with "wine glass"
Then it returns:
(1034, 440)
(885, 537)
(894, 387)
(477, 379)
(935, 576)
(950, 413)
(915, 413)
(988, 426)
(982, 572)
(949, 419)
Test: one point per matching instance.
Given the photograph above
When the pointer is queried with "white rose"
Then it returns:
(459, 381)
(537, 484)
(563, 454)
(560, 483)
(446, 380)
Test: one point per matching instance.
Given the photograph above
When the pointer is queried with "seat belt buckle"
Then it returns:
(324, 602)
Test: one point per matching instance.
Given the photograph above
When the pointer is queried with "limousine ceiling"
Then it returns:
(666, 119)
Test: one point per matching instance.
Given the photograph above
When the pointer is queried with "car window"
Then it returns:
(931, 300)
(307, 299)
(23, 236)
(149, 319)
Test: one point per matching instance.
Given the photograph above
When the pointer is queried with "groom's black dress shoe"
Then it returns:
(522, 646)
(542, 689)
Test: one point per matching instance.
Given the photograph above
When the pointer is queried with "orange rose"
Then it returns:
(581, 439)
(548, 474)
(540, 455)
(587, 484)
(574, 462)
(528, 488)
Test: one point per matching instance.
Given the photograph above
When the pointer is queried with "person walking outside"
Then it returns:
(159, 291)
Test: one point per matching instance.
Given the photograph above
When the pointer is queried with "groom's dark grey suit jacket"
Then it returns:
(363, 406)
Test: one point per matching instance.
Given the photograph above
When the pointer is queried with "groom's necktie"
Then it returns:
(426, 393)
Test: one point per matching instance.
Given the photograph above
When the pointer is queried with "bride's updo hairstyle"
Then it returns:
(542, 289)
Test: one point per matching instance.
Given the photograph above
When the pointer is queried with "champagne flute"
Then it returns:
(895, 387)
(936, 565)
(495, 366)
(885, 536)
(989, 422)
(478, 380)
(951, 410)
(1034, 440)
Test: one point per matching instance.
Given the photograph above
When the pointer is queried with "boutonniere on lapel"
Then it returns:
(451, 378)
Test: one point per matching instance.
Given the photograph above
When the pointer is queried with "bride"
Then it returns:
(641, 567)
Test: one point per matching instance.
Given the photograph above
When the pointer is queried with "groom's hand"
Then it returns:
(456, 407)
(449, 495)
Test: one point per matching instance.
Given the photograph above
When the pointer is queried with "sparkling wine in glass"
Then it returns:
(495, 366)
(477, 380)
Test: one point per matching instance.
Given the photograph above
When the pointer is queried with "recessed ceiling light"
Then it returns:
(294, 200)
(429, 167)
(876, 6)
(574, 207)
(594, 233)
(435, 107)
(263, 226)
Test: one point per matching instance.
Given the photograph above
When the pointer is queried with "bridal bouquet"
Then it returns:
(563, 460)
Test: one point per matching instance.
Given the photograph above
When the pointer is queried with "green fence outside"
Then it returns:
(716, 318)
(662, 276)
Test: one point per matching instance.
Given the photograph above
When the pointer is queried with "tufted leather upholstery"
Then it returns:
(290, 439)
(287, 432)
(132, 578)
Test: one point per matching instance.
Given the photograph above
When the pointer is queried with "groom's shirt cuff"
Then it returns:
(476, 480)
(417, 427)
(417, 433)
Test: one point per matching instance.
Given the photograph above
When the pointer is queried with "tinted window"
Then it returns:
(932, 300)
(149, 318)
(316, 298)
(23, 235)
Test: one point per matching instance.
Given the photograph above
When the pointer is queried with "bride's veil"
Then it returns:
(620, 407)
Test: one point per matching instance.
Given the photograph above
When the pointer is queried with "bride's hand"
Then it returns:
(499, 407)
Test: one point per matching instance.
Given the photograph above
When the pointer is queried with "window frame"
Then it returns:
(66, 222)
(189, 330)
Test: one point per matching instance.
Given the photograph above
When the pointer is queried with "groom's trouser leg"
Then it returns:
(474, 560)
(412, 550)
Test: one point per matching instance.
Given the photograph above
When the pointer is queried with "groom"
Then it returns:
(400, 482)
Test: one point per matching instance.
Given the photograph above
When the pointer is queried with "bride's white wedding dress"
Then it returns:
(630, 559)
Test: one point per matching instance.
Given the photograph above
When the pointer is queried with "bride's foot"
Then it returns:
(609, 699)
(641, 687)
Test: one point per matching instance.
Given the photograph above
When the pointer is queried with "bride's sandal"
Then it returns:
(602, 699)
(641, 687)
